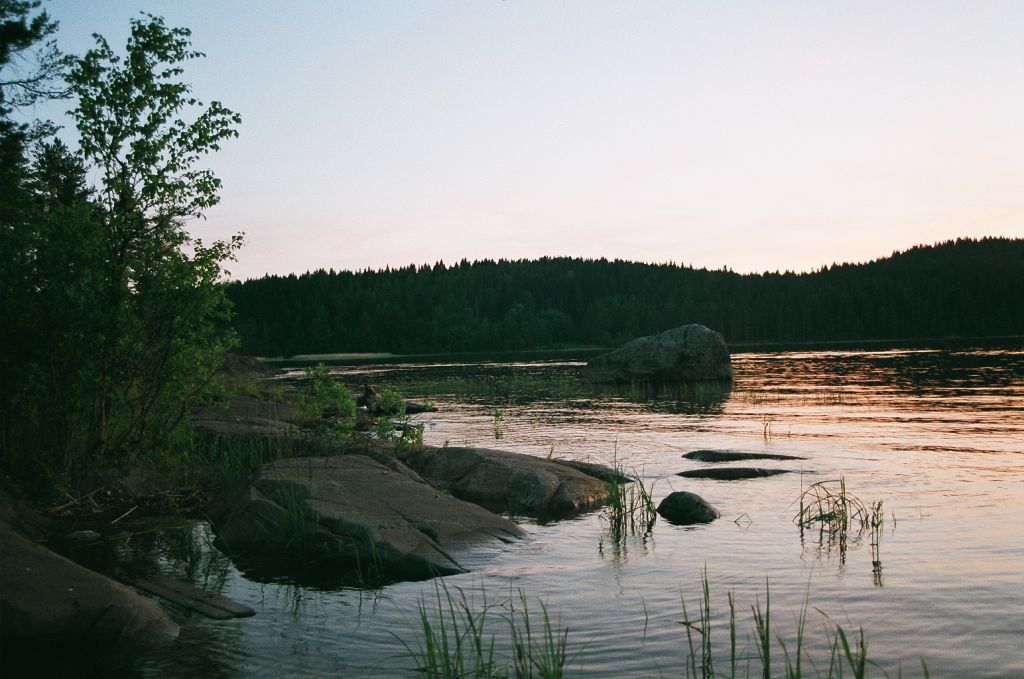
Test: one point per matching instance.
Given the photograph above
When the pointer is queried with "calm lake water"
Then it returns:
(937, 435)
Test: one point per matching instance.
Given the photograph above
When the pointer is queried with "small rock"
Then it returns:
(683, 508)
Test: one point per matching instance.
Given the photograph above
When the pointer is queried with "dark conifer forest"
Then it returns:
(962, 288)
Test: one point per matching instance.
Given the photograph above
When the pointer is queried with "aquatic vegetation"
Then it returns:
(499, 419)
(544, 656)
(829, 506)
(836, 513)
(505, 387)
(454, 639)
(877, 520)
(630, 510)
(846, 652)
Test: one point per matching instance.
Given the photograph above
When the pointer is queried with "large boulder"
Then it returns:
(510, 482)
(48, 602)
(354, 517)
(683, 508)
(686, 354)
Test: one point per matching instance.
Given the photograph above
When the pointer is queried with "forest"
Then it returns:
(962, 288)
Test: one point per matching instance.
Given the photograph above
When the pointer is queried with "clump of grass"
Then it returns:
(543, 655)
(829, 506)
(198, 460)
(846, 653)
(836, 513)
(630, 509)
(453, 639)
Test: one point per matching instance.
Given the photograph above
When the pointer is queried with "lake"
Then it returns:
(936, 435)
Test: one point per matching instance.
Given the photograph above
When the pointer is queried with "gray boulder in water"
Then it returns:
(348, 512)
(689, 353)
(683, 508)
(503, 481)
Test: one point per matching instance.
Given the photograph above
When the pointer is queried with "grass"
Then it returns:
(828, 505)
(835, 512)
(454, 639)
(823, 396)
(847, 654)
(876, 521)
(198, 460)
(630, 508)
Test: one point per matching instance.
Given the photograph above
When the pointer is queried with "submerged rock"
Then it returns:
(510, 482)
(352, 515)
(686, 354)
(734, 456)
(731, 473)
(683, 508)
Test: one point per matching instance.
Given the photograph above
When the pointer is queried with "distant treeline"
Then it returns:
(958, 288)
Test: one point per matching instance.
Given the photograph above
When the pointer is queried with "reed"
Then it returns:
(847, 654)
(454, 639)
(828, 505)
(544, 657)
(630, 509)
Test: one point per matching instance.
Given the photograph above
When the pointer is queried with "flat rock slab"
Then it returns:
(734, 456)
(352, 512)
(50, 603)
(731, 473)
(510, 482)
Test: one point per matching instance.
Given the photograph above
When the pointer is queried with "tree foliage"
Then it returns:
(118, 315)
(29, 71)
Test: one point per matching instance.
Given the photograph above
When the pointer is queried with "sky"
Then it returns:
(758, 136)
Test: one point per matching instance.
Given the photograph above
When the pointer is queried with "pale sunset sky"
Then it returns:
(756, 135)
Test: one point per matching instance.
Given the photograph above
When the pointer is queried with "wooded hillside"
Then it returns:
(957, 288)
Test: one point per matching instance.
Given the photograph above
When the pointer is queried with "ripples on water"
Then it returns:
(937, 435)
